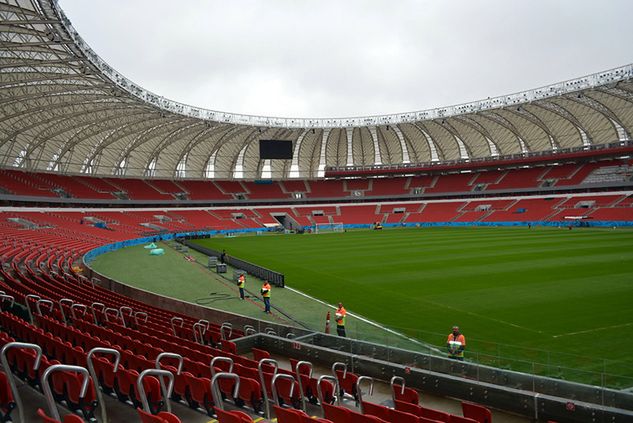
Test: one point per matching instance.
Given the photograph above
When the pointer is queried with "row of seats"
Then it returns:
(122, 225)
(18, 182)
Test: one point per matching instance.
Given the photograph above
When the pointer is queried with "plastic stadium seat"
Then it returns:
(409, 395)
(7, 403)
(476, 412)
(337, 414)
(232, 416)
(162, 417)
(258, 354)
(69, 418)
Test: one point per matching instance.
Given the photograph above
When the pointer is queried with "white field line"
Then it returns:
(481, 316)
(593, 330)
(362, 319)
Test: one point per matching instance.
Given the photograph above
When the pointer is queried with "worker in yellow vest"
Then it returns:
(265, 291)
(339, 317)
(456, 343)
(241, 281)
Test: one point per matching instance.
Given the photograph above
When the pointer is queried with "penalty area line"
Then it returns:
(365, 320)
(593, 330)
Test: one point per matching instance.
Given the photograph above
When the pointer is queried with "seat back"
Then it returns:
(476, 412)
(337, 414)
(232, 416)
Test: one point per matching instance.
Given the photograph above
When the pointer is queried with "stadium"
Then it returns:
(127, 219)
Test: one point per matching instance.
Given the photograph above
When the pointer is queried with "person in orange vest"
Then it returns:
(456, 343)
(266, 296)
(240, 284)
(339, 317)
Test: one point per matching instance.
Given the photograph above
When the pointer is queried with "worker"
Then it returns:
(266, 296)
(339, 318)
(456, 343)
(241, 280)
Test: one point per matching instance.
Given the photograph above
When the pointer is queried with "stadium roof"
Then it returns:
(64, 109)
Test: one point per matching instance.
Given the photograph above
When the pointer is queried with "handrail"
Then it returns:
(159, 357)
(111, 309)
(339, 364)
(46, 387)
(61, 302)
(130, 312)
(226, 325)
(215, 389)
(50, 304)
(204, 322)
(198, 332)
(260, 370)
(28, 305)
(5, 365)
(273, 385)
(75, 306)
(392, 384)
(221, 359)
(359, 390)
(94, 315)
(178, 357)
(95, 379)
(301, 390)
(140, 313)
(166, 391)
(334, 380)
(176, 319)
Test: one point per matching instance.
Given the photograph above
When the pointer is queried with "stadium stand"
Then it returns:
(66, 189)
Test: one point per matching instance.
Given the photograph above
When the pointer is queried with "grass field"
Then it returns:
(563, 299)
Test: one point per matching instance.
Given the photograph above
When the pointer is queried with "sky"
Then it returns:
(346, 58)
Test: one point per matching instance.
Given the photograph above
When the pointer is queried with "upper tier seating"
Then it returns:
(51, 185)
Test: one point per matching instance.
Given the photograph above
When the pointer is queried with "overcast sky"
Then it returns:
(336, 58)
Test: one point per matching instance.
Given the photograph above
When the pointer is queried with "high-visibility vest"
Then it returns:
(240, 281)
(455, 342)
(266, 290)
(339, 316)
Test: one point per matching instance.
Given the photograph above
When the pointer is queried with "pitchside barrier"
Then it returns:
(535, 397)
(260, 272)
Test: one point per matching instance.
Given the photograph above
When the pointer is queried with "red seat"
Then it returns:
(162, 417)
(259, 354)
(198, 392)
(287, 415)
(337, 414)
(347, 383)
(7, 403)
(377, 410)
(476, 412)
(69, 418)
(232, 416)
(88, 403)
(409, 395)
(251, 393)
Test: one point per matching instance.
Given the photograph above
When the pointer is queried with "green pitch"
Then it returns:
(539, 293)
(544, 300)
